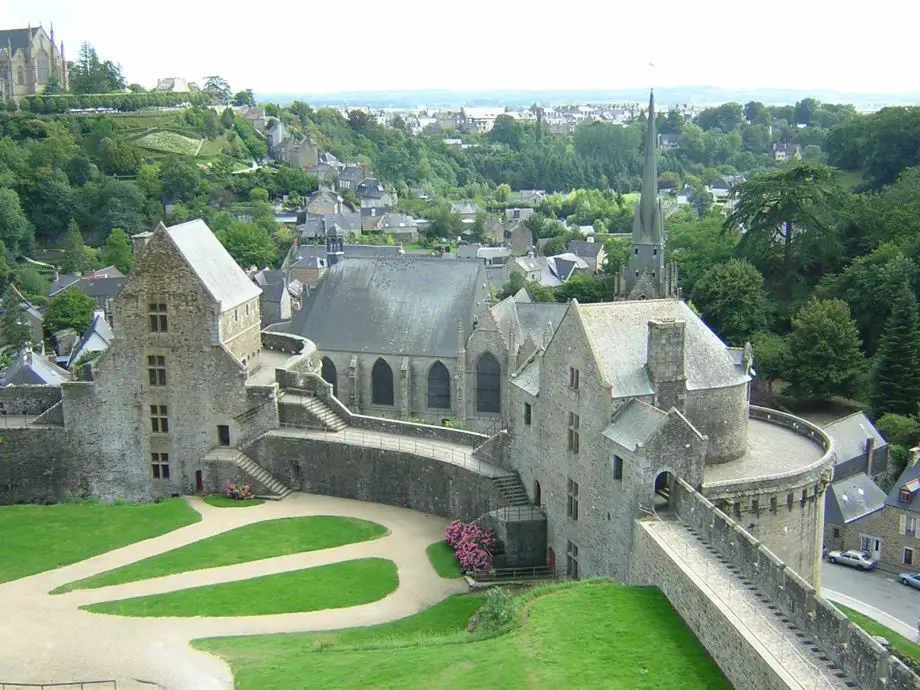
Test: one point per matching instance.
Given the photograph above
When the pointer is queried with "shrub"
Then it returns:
(496, 612)
(471, 544)
(240, 492)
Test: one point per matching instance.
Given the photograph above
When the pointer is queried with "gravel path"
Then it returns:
(46, 638)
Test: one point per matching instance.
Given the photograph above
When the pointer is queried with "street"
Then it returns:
(881, 595)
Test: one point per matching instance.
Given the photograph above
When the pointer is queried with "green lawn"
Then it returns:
(348, 583)
(908, 648)
(227, 502)
(594, 634)
(248, 543)
(445, 619)
(443, 559)
(37, 538)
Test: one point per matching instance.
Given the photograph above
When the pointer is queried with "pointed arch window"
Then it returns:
(44, 68)
(330, 375)
(381, 383)
(488, 384)
(439, 386)
(20, 76)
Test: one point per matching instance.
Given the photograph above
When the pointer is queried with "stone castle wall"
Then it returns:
(38, 465)
(28, 400)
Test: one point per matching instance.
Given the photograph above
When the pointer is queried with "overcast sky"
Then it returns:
(345, 45)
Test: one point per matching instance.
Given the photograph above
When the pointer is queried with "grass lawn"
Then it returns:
(37, 538)
(908, 648)
(227, 502)
(248, 543)
(446, 618)
(443, 559)
(349, 583)
(594, 634)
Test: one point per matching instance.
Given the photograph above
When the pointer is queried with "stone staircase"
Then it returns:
(512, 489)
(254, 470)
(317, 409)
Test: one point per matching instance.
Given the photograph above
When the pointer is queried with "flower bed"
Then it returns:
(241, 492)
(471, 544)
(170, 142)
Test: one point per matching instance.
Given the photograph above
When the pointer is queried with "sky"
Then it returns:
(311, 46)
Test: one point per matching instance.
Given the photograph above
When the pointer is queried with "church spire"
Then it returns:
(647, 228)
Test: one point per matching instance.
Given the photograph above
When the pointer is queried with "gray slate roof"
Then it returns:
(31, 369)
(97, 337)
(535, 316)
(618, 334)
(529, 378)
(393, 306)
(61, 284)
(213, 265)
(634, 423)
(851, 499)
(911, 477)
(18, 38)
(585, 249)
(850, 435)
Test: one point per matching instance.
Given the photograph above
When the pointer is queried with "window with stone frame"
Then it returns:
(573, 378)
(573, 432)
(158, 321)
(43, 65)
(159, 463)
(908, 556)
(572, 503)
(617, 467)
(571, 560)
(156, 370)
(382, 383)
(439, 386)
(528, 414)
(159, 420)
(20, 77)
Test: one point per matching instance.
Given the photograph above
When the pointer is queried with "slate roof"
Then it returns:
(585, 249)
(352, 173)
(100, 287)
(396, 221)
(618, 335)
(61, 284)
(850, 435)
(564, 265)
(18, 38)
(634, 423)
(97, 337)
(31, 369)
(534, 316)
(369, 187)
(529, 378)
(393, 306)
(213, 265)
(851, 499)
(911, 477)
(308, 252)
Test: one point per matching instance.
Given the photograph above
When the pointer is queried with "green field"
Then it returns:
(349, 583)
(241, 545)
(906, 647)
(169, 142)
(593, 634)
(227, 502)
(37, 538)
(443, 559)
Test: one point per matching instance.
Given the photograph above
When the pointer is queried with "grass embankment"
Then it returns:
(38, 538)
(443, 560)
(349, 583)
(908, 648)
(594, 634)
(241, 545)
(227, 502)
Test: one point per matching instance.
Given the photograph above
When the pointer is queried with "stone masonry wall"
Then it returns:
(28, 400)
(378, 475)
(37, 465)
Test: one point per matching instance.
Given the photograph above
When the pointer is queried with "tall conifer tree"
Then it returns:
(895, 382)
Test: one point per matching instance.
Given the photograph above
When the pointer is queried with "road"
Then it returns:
(881, 595)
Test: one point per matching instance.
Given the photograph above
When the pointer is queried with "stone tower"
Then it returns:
(335, 245)
(646, 276)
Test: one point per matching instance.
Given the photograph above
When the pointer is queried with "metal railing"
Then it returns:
(82, 684)
(738, 600)
(538, 572)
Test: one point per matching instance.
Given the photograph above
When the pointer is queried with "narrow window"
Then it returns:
(755, 506)
(617, 467)
(156, 370)
(571, 560)
(223, 434)
(158, 322)
(573, 432)
(159, 421)
(160, 465)
(636, 251)
(836, 533)
(573, 378)
(527, 414)
(572, 504)
(655, 252)
(908, 556)
(773, 504)
(789, 501)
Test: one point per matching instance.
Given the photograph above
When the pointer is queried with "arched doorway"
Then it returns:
(664, 486)
(330, 375)
(537, 494)
(439, 386)
(488, 384)
(381, 383)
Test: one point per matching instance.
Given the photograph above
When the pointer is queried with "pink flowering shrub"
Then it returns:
(240, 492)
(471, 544)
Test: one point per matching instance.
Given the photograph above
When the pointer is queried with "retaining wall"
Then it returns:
(38, 466)
(28, 400)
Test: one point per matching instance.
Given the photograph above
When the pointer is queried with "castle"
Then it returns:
(28, 59)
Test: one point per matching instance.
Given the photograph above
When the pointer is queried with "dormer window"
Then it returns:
(908, 489)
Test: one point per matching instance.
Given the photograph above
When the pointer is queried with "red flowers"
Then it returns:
(472, 545)
(240, 492)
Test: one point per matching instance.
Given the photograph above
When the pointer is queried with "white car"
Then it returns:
(856, 559)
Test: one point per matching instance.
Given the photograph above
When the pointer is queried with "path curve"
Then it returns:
(46, 638)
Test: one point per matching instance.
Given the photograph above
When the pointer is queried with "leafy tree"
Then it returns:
(74, 259)
(502, 192)
(771, 356)
(180, 180)
(17, 331)
(895, 378)
(31, 282)
(825, 345)
(258, 194)
(117, 251)
(697, 244)
(136, 88)
(727, 117)
(53, 85)
(757, 113)
(249, 244)
(13, 222)
(70, 309)
(585, 289)
(91, 75)
(902, 430)
(731, 299)
(218, 88)
(244, 97)
(117, 158)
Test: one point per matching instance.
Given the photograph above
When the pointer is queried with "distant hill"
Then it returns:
(700, 95)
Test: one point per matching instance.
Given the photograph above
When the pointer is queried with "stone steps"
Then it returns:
(512, 489)
(316, 407)
(259, 473)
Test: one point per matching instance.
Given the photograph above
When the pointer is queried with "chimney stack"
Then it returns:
(667, 340)
(139, 243)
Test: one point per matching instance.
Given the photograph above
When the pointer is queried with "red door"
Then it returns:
(551, 559)
(199, 481)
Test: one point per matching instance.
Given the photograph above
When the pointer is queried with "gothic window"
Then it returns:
(439, 386)
(488, 384)
(44, 68)
(156, 370)
(330, 375)
(160, 465)
(381, 383)
(157, 317)
(20, 76)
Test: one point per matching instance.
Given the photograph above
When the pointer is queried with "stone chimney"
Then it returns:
(870, 447)
(139, 243)
(667, 341)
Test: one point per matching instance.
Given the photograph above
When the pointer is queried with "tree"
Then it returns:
(756, 113)
(90, 75)
(71, 309)
(248, 244)
(824, 344)
(697, 244)
(502, 192)
(257, 194)
(895, 378)
(771, 356)
(74, 259)
(226, 119)
(218, 88)
(53, 85)
(13, 222)
(244, 97)
(181, 181)
(585, 289)
(732, 301)
(15, 326)
(117, 251)
(117, 158)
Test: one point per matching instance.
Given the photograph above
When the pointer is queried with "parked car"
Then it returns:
(910, 579)
(856, 559)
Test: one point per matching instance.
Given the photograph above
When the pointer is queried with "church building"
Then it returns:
(28, 59)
